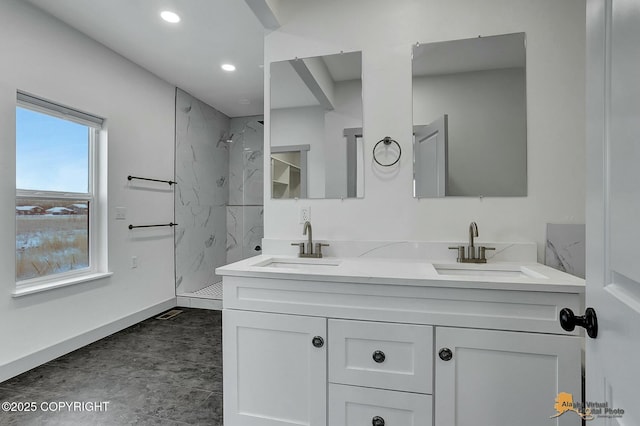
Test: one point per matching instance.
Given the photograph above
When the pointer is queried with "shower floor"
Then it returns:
(213, 291)
(209, 297)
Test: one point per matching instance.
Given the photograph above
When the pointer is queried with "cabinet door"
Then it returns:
(273, 373)
(504, 378)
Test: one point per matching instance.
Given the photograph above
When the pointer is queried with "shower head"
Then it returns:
(225, 139)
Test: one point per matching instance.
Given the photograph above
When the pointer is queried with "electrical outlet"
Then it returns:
(134, 262)
(121, 213)
(305, 214)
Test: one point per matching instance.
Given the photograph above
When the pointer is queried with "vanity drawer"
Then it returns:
(381, 355)
(353, 405)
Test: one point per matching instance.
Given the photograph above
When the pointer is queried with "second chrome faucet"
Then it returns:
(309, 251)
(472, 254)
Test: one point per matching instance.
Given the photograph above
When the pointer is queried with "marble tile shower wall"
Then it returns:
(246, 175)
(202, 193)
(565, 249)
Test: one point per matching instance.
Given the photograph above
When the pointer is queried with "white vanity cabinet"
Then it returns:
(380, 361)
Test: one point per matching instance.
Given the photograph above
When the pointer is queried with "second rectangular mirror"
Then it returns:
(470, 117)
(316, 127)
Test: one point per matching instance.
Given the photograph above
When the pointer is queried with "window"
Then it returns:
(56, 192)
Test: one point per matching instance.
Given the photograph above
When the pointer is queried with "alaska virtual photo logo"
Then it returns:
(586, 410)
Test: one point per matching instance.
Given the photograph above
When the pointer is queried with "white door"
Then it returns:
(275, 369)
(613, 206)
(503, 378)
(430, 144)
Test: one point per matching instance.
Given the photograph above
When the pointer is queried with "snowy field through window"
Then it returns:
(54, 190)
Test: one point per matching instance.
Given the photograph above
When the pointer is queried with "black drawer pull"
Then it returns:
(318, 342)
(379, 357)
(377, 421)
(445, 354)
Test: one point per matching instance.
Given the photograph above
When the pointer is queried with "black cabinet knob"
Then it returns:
(445, 354)
(589, 321)
(318, 342)
(377, 421)
(379, 356)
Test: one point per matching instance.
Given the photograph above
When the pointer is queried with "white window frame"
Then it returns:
(97, 234)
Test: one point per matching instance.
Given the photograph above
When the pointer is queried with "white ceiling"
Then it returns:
(474, 54)
(187, 54)
(344, 66)
(288, 90)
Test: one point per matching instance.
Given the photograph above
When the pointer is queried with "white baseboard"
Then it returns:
(35, 359)
(200, 303)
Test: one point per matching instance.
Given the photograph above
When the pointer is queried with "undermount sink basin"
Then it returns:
(300, 263)
(484, 270)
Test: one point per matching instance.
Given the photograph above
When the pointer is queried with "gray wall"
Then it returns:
(303, 126)
(324, 132)
(482, 160)
(347, 114)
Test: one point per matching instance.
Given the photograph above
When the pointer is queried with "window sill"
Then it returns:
(37, 288)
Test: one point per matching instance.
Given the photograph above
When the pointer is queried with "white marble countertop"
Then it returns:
(517, 276)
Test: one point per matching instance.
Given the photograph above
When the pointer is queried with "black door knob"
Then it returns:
(318, 342)
(445, 354)
(589, 321)
(377, 421)
(379, 356)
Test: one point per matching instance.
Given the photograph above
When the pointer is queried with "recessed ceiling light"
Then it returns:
(169, 16)
(228, 67)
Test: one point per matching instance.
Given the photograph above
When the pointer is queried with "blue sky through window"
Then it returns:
(52, 154)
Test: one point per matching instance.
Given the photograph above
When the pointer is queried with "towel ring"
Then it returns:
(387, 141)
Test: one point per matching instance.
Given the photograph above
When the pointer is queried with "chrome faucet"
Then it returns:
(472, 255)
(473, 232)
(307, 226)
(309, 252)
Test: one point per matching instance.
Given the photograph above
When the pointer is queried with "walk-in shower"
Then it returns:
(218, 199)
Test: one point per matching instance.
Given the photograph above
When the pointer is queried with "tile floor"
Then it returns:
(157, 372)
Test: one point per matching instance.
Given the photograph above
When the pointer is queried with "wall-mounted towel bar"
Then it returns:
(170, 182)
(171, 224)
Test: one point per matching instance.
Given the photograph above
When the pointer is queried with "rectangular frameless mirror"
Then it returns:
(316, 127)
(470, 117)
